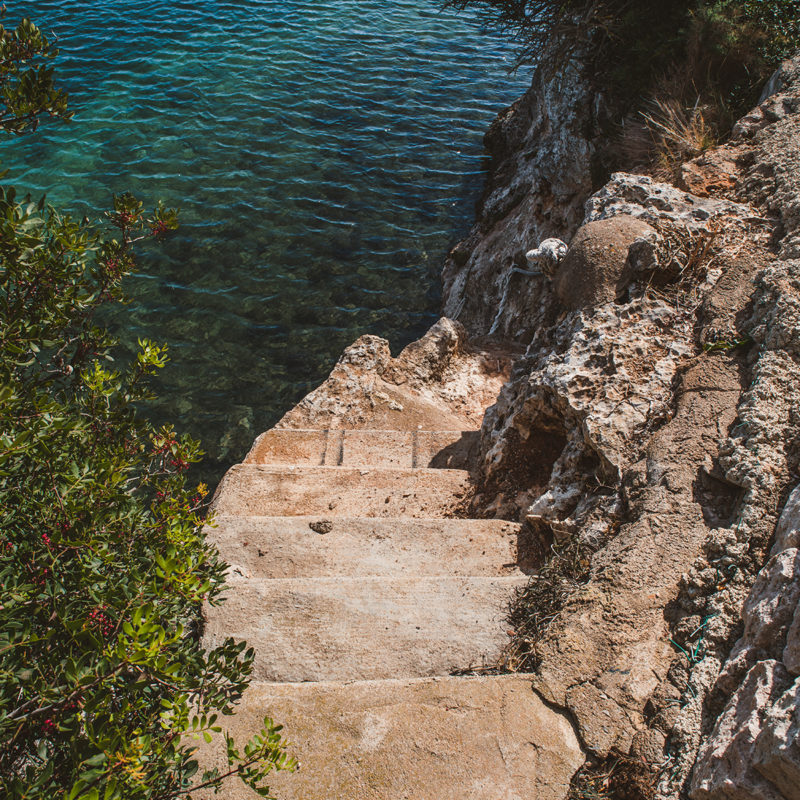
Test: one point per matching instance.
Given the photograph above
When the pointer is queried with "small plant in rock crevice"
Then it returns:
(617, 777)
(677, 134)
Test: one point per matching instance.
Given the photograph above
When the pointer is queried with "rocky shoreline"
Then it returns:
(636, 399)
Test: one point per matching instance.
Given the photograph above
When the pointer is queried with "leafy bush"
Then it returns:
(726, 47)
(675, 75)
(103, 562)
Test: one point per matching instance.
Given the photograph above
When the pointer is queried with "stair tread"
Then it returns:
(311, 629)
(252, 489)
(288, 547)
(449, 738)
(349, 447)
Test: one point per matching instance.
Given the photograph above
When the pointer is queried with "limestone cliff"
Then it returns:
(649, 434)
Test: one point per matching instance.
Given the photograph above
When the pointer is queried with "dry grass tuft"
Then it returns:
(540, 603)
(619, 777)
(678, 134)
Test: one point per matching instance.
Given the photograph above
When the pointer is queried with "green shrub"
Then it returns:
(103, 562)
(726, 47)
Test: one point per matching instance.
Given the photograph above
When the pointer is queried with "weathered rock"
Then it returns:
(547, 256)
(767, 615)
(612, 633)
(540, 176)
(441, 382)
(724, 767)
(776, 308)
(777, 752)
(771, 134)
(658, 203)
(787, 531)
(791, 651)
(592, 272)
(753, 750)
(602, 722)
(619, 393)
(586, 400)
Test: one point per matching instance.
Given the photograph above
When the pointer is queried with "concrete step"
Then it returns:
(313, 629)
(481, 738)
(356, 448)
(253, 490)
(317, 547)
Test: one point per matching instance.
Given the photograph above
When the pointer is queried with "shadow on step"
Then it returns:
(461, 454)
(532, 549)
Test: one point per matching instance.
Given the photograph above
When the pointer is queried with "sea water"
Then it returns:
(324, 156)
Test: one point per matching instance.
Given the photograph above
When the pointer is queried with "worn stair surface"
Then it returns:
(341, 491)
(324, 546)
(363, 597)
(343, 448)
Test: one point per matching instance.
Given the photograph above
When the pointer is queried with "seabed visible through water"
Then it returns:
(324, 156)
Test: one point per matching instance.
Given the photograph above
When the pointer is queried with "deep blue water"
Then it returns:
(324, 156)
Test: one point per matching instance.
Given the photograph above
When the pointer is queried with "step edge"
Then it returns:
(412, 579)
(511, 677)
(341, 469)
(370, 430)
(450, 521)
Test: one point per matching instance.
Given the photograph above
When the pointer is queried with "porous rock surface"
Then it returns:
(753, 750)
(652, 426)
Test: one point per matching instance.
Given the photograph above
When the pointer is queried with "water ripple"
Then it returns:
(324, 156)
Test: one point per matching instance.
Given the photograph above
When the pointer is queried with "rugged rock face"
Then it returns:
(753, 750)
(650, 430)
(442, 380)
(539, 180)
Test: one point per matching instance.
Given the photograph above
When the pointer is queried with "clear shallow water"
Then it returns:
(324, 156)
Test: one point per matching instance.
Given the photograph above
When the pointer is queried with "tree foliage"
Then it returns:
(104, 685)
(629, 45)
(27, 89)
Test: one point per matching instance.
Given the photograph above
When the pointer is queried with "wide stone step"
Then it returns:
(477, 738)
(248, 490)
(356, 448)
(313, 629)
(317, 547)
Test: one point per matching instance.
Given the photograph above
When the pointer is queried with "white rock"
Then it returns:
(547, 256)
(777, 755)
(769, 609)
(641, 197)
(787, 531)
(791, 652)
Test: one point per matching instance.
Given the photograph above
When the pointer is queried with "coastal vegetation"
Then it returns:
(105, 689)
(675, 76)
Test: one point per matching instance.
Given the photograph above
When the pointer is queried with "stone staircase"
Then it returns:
(364, 596)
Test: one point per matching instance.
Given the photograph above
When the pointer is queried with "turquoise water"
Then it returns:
(324, 156)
